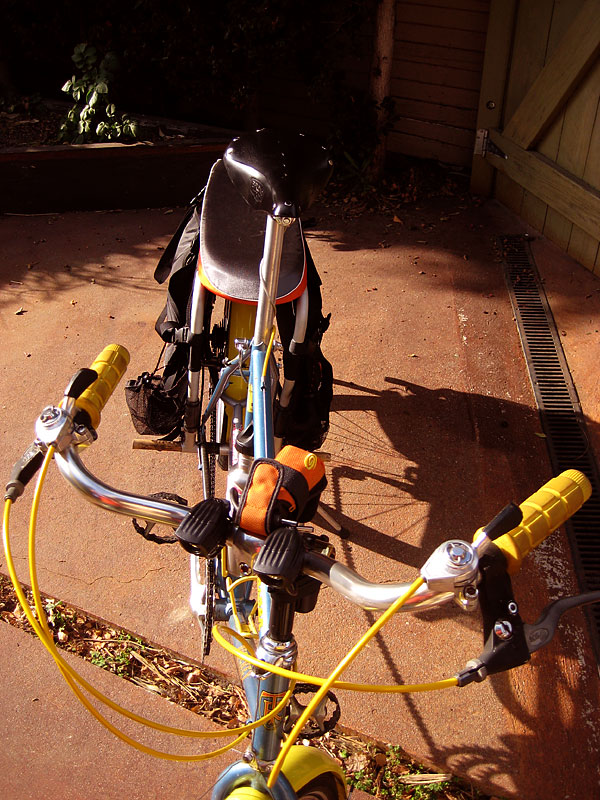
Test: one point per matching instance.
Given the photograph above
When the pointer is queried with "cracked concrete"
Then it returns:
(433, 429)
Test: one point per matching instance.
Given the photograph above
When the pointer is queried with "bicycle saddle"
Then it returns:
(231, 245)
(280, 173)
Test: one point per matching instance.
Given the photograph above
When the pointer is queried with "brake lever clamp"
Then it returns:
(54, 427)
(452, 567)
(60, 426)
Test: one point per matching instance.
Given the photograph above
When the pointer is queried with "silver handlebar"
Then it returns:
(342, 579)
(100, 494)
(366, 594)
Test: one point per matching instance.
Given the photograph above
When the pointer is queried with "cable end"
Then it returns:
(14, 490)
(474, 671)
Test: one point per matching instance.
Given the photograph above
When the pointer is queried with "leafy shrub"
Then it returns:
(94, 117)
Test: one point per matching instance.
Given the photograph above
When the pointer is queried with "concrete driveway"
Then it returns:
(433, 430)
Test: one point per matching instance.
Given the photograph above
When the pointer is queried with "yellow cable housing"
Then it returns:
(406, 688)
(344, 664)
(72, 677)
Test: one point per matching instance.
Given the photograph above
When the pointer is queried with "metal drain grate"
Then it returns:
(560, 411)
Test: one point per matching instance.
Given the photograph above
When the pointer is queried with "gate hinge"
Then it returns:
(484, 145)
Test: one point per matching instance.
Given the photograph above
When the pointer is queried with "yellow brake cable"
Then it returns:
(344, 663)
(72, 677)
(220, 629)
(268, 355)
(327, 683)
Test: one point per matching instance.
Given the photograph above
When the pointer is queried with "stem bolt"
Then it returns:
(458, 553)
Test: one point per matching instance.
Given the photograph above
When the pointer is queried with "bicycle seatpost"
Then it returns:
(269, 276)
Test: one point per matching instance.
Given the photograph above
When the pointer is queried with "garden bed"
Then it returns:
(40, 175)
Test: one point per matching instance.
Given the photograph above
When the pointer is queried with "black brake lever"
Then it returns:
(542, 631)
(81, 381)
(24, 470)
(503, 629)
(509, 642)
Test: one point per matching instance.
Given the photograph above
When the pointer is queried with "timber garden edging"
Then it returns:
(99, 177)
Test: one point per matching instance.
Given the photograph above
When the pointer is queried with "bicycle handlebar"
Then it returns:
(544, 512)
(448, 571)
(567, 492)
(110, 367)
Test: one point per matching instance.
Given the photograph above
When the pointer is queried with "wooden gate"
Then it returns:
(538, 137)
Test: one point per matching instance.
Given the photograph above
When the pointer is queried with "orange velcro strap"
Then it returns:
(288, 486)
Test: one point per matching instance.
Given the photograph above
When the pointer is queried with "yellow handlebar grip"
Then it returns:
(110, 366)
(544, 512)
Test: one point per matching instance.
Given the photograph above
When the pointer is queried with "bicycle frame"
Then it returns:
(262, 692)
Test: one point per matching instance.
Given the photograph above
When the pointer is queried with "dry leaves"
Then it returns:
(385, 772)
(150, 666)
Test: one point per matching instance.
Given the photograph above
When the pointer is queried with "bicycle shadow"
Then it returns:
(446, 455)
(439, 462)
(448, 461)
(543, 730)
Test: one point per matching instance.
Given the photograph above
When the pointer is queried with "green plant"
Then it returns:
(94, 117)
(362, 781)
(54, 614)
(116, 662)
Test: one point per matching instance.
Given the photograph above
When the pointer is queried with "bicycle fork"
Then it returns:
(264, 690)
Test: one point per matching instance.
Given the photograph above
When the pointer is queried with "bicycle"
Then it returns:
(265, 562)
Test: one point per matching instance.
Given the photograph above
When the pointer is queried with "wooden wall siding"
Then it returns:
(439, 48)
(570, 141)
(438, 56)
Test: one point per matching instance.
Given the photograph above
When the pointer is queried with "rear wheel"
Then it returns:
(213, 432)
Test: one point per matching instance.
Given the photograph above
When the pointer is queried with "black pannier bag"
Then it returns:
(157, 405)
(305, 421)
(157, 401)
